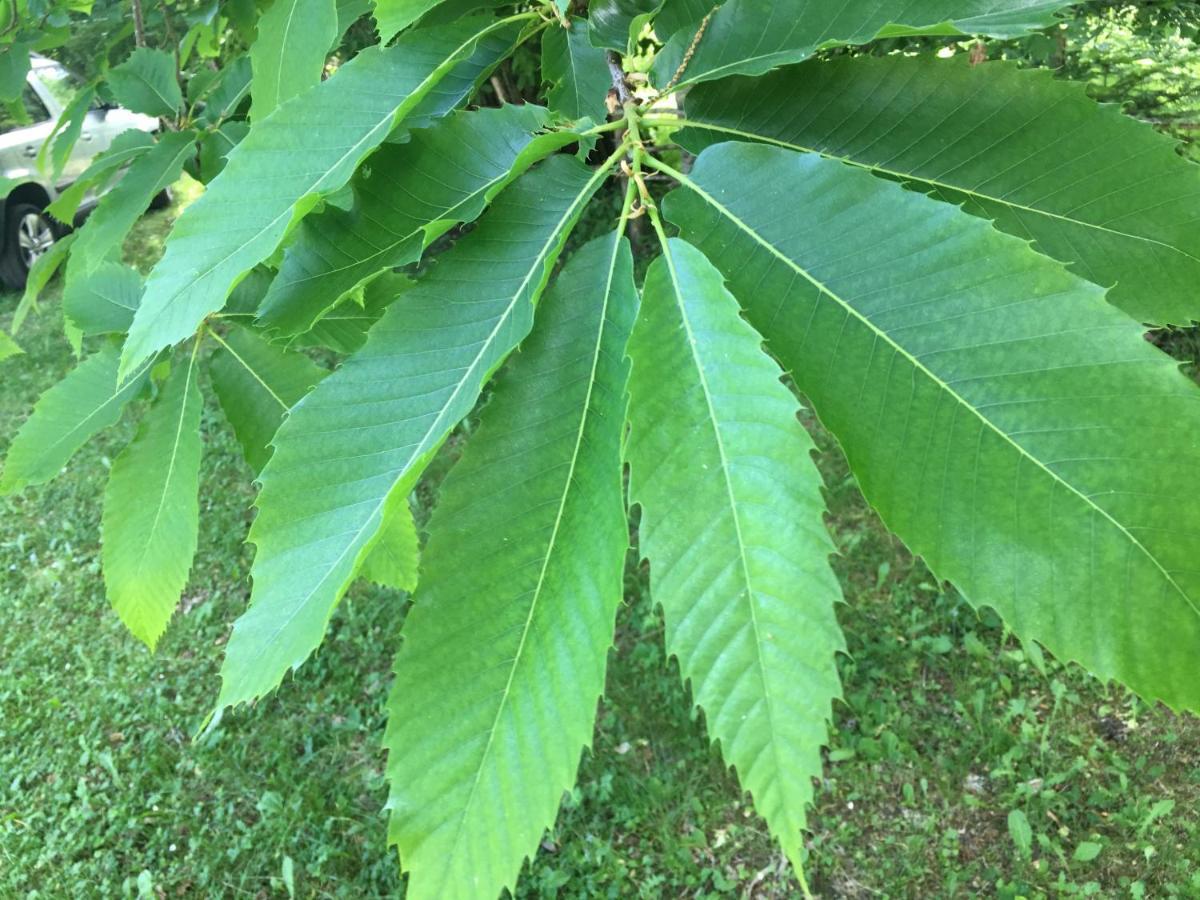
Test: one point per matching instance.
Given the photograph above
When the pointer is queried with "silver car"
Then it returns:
(27, 230)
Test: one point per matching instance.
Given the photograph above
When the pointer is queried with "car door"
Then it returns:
(23, 128)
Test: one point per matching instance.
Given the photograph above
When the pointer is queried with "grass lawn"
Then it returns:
(960, 763)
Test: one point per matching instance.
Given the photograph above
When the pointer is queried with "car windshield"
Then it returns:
(62, 84)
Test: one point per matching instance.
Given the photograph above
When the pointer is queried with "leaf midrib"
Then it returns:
(413, 97)
(824, 43)
(933, 182)
(90, 234)
(584, 418)
(144, 80)
(398, 240)
(283, 48)
(174, 455)
(108, 401)
(917, 364)
(421, 447)
(751, 594)
(485, 191)
(249, 368)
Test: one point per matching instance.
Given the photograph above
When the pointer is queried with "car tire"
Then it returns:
(162, 199)
(28, 233)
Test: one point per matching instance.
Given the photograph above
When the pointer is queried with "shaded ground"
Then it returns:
(948, 726)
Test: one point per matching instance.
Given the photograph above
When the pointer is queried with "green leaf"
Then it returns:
(62, 139)
(125, 148)
(1020, 832)
(247, 295)
(152, 508)
(451, 10)
(215, 148)
(1114, 201)
(344, 328)
(232, 86)
(393, 16)
(39, 276)
(251, 205)
(1158, 810)
(576, 72)
(507, 654)
(750, 37)
(380, 418)
(200, 83)
(256, 384)
(14, 68)
(74, 336)
(288, 56)
(288, 873)
(393, 560)
(349, 12)
(84, 403)
(1011, 426)
(104, 300)
(145, 83)
(677, 15)
(615, 24)
(8, 347)
(105, 229)
(732, 526)
(405, 196)
(1086, 851)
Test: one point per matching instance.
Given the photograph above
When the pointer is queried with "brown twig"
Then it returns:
(499, 89)
(139, 24)
(620, 84)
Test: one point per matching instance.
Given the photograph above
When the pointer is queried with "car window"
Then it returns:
(29, 110)
(62, 84)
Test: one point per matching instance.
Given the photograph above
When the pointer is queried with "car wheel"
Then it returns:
(28, 234)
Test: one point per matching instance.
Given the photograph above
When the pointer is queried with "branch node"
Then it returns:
(620, 83)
